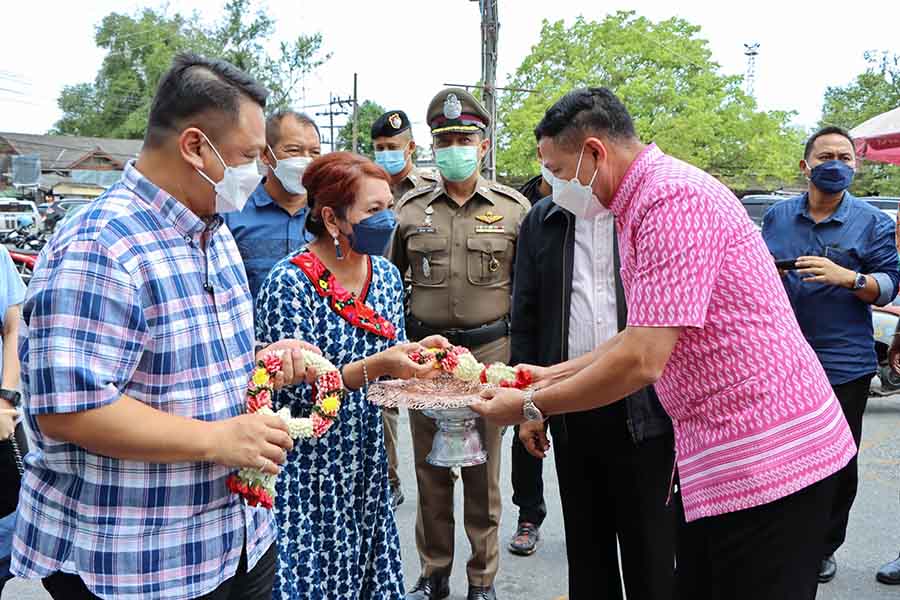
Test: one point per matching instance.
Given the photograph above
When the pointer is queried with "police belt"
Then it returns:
(470, 338)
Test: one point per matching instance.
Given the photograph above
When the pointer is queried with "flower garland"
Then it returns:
(256, 487)
(461, 364)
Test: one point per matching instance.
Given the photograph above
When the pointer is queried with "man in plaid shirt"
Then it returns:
(137, 349)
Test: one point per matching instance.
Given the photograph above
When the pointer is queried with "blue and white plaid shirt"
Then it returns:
(118, 305)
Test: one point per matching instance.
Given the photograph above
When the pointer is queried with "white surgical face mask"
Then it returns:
(574, 196)
(289, 172)
(236, 185)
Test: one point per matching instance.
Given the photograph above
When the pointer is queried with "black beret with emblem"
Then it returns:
(391, 123)
(454, 110)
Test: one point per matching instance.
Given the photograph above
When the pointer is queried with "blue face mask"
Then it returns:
(373, 234)
(832, 176)
(391, 161)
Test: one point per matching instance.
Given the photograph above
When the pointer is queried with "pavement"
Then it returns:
(873, 537)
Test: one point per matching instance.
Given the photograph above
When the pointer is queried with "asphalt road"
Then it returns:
(873, 538)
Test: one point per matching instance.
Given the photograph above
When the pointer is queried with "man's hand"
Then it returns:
(501, 406)
(293, 369)
(894, 357)
(7, 422)
(436, 341)
(540, 376)
(253, 441)
(533, 436)
(818, 269)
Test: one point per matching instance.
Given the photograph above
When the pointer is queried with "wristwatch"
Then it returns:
(860, 282)
(11, 396)
(531, 412)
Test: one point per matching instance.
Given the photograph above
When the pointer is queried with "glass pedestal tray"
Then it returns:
(457, 442)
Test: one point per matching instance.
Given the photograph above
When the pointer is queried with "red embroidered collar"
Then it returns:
(352, 309)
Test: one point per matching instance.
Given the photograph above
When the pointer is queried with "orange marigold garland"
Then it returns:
(256, 487)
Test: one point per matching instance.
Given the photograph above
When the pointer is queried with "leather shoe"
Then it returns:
(481, 593)
(889, 573)
(430, 587)
(828, 569)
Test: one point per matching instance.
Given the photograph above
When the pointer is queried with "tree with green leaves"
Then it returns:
(875, 91)
(664, 73)
(369, 111)
(140, 48)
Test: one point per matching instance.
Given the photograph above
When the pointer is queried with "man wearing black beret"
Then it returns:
(394, 149)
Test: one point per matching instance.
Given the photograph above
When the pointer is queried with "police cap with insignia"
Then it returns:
(454, 110)
(391, 123)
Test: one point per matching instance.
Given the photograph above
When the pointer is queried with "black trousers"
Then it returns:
(769, 552)
(253, 585)
(615, 490)
(853, 396)
(528, 483)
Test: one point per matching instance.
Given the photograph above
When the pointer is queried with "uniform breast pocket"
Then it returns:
(489, 260)
(428, 259)
(847, 258)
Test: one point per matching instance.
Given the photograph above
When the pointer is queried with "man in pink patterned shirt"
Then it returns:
(758, 430)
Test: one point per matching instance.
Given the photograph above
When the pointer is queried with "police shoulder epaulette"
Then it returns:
(512, 193)
(415, 193)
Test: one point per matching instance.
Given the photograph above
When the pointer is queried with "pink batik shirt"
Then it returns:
(755, 418)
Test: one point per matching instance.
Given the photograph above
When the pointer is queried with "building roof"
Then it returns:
(65, 152)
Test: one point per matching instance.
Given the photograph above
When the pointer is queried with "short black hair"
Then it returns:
(273, 124)
(583, 112)
(196, 86)
(830, 130)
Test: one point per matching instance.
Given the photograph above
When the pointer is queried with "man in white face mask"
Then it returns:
(136, 351)
(273, 222)
(758, 429)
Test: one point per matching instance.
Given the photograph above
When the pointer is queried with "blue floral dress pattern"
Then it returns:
(337, 537)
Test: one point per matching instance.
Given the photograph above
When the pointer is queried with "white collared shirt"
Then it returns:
(593, 318)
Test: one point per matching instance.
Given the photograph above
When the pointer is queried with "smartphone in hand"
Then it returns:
(786, 265)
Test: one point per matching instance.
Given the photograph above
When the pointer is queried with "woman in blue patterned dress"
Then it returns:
(337, 535)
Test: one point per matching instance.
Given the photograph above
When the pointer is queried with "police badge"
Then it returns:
(452, 107)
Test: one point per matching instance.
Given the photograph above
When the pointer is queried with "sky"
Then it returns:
(404, 51)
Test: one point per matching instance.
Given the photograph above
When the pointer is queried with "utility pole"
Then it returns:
(331, 113)
(355, 118)
(490, 26)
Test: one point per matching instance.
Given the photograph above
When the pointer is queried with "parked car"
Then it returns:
(883, 202)
(11, 209)
(756, 205)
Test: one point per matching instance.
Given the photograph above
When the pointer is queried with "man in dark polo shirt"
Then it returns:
(846, 262)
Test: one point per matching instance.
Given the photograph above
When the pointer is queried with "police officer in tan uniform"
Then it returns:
(394, 150)
(457, 237)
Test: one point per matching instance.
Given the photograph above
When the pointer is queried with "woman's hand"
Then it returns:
(436, 341)
(395, 362)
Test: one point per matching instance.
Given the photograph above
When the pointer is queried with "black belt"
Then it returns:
(470, 338)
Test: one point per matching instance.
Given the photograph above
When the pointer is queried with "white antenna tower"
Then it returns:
(751, 51)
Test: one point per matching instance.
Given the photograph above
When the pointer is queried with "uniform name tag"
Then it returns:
(490, 229)
(425, 229)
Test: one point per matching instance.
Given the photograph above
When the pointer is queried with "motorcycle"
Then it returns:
(24, 264)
